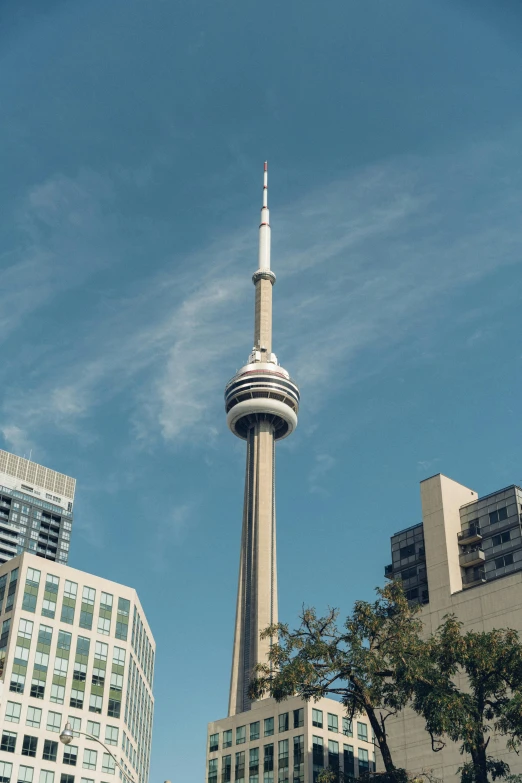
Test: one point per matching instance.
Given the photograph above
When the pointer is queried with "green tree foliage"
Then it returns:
(472, 686)
(371, 663)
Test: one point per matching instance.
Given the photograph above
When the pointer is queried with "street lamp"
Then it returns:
(67, 736)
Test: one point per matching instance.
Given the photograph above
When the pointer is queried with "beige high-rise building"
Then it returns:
(265, 741)
(464, 558)
(77, 649)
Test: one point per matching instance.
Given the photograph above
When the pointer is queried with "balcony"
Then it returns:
(470, 536)
(473, 578)
(388, 571)
(474, 558)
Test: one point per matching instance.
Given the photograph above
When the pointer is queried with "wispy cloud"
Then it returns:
(374, 257)
(323, 464)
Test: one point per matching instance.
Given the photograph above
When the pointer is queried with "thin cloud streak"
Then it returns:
(374, 257)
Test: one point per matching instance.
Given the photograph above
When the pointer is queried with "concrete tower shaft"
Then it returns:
(261, 403)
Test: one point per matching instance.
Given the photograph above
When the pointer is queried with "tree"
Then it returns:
(371, 663)
(472, 686)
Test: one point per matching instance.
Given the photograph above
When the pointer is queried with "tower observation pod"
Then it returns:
(261, 403)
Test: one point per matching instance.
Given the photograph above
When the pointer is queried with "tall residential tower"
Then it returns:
(261, 402)
(36, 509)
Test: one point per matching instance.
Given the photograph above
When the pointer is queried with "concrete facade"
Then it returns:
(78, 648)
(479, 601)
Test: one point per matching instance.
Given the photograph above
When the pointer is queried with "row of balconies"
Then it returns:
(471, 557)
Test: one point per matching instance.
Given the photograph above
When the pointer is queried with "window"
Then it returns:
(118, 656)
(50, 750)
(299, 759)
(212, 770)
(333, 723)
(213, 743)
(67, 614)
(505, 560)
(46, 776)
(317, 718)
(111, 735)
(240, 735)
(104, 626)
(93, 728)
(283, 762)
(226, 769)
(17, 683)
(60, 666)
(362, 731)
(101, 651)
(240, 767)
(317, 756)
(90, 759)
(25, 774)
(34, 717)
(347, 727)
(108, 764)
(88, 596)
(407, 551)
(268, 761)
(29, 745)
(66, 778)
(409, 573)
(70, 589)
(412, 594)
(502, 538)
(227, 738)
(8, 742)
(83, 645)
(269, 727)
(95, 703)
(333, 757)
(76, 699)
(122, 618)
(283, 722)
(12, 712)
(57, 693)
(298, 718)
(106, 602)
(64, 640)
(253, 765)
(54, 721)
(5, 771)
(32, 577)
(349, 763)
(364, 764)
(498, 516)
(254, 731)
(70, 755)
(25, 629)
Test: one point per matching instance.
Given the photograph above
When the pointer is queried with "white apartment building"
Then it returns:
(73, 648)
(288, 741)
(464, 558)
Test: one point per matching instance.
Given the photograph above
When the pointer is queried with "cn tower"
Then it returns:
(261, 403)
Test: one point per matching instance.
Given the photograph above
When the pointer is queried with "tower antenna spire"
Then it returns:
(264, 226)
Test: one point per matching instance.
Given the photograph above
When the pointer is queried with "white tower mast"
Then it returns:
(261, 402)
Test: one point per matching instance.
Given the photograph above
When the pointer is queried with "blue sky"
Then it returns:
(133, 136)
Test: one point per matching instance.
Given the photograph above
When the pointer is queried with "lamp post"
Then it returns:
(67, 736)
